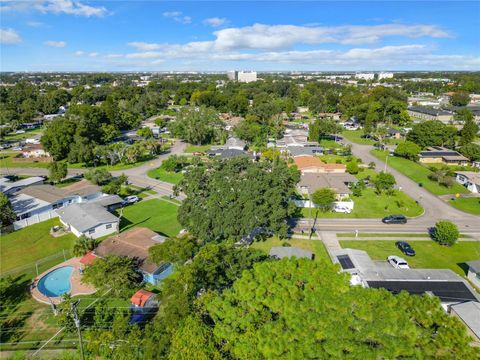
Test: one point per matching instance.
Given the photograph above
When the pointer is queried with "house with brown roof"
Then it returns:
(135, 243)
(312, 164)
(338, 182)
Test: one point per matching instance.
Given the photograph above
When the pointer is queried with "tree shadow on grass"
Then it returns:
(464, 267)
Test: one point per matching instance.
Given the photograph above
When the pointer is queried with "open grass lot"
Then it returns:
(25, 135)
(356, 137)
(418, 173)
(157, 215)
(115, 167)
(471, 205)
(164, 175)
(31, 244)
(371, 205)
(315, 246)
(430, 255)
(6, 160)
(197, 148)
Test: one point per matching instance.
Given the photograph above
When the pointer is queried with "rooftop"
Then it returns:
(85, 216)
(429, 111)
(141, 297)
(6, 185)
(22, 203)
(47, 193)
(474, 266)
(334, 181)
(474, 177)
(469, 312)
(307, 161)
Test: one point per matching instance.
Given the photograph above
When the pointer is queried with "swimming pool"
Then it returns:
(56, 282)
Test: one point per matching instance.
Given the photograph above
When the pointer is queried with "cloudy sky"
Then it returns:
(66, 35)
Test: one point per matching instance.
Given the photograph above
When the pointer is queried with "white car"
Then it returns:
(132, 199)
(342, 209)
(397, 262)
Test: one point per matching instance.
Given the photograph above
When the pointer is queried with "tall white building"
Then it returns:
(232, 75)
(385, 75)
(242, 76)
(365, 76)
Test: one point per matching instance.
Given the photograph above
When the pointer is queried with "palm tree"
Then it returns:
(83, 245)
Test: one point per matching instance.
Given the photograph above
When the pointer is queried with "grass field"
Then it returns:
(25, 135)
(356, 137)
(6, 160)
(157, 215)
(419, 174)
(471, 205)
(115, 167)
(429, 255)
(167, 176)
(31, 244)
(197, 148)
(371, 205)
(380, 235)
(315, 246)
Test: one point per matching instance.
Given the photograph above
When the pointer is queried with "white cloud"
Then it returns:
(144, 55)
(93, 54)
(79, 53)
(215, 21)
(113, 56)
(178, 17)
(55, 7)
(35, 24)
(144, 46)
(9, 36)
(53, 43)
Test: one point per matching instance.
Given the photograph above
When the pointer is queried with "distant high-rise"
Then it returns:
(385, 75)
(242, 76)
(365, 76)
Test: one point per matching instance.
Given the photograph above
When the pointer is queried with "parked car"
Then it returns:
(394, 219)
(132, 199)
(397, 262)
(405, 248)
(342, 209)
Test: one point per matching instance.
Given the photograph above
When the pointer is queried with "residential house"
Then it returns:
(233, 143)
(394, 134)
(441, 155)
(34, 151)
(37, 203)
(473, 273)
(312, 164)
(469, 179)
(304, 150)
(338, 182)
(449, 287)
(280, 252)
(143, 301)
(9, 187)
(469, 314)
(89, 219)
(227, 153)
(424, 113)
(135, 243)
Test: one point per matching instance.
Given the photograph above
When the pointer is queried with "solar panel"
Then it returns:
(345, 262)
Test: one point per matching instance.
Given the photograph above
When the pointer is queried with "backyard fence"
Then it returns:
(39, 266)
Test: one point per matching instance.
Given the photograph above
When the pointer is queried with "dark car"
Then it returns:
(394, 219)
(405, 248)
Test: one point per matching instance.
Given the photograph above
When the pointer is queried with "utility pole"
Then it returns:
(76, 319)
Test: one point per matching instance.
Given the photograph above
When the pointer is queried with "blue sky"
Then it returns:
(66, 35)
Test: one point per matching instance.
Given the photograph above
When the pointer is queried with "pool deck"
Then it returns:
(76, 285)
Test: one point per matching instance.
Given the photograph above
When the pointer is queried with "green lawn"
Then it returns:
(417, 235)
(197, 148)
(6, 160)
(115, 167)
(25, 135)
(418, 173)
(315, 246)
(30, 244)
(164, 175)
(471, 205)
(157, 215)
(356, 137)
(371, 205)
(429, 255)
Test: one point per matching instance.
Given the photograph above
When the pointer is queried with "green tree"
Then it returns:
(230, 198)
(445, 233)
(322, 128)
(324, 198)
(432, 133)
(384, 182)
(83, 245)
(468, 132)
(471, 151)
(460, 98)
(145, 132)
(267, 311)
(352, 167)
(197, 125)
(58, 137)
(98, 176)
(174, 250)
(408, 150)
(118, 273)
(57, 170)
(7, 215)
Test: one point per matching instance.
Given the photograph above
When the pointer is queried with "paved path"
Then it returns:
(330, 241)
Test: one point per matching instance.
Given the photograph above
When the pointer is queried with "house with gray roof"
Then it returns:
(338, 182)
(469, 314)
(469, 179)
(424, 113)
(305, 150)
(473, 273)
(9, 187)
(280, 252)
(235, 144)
(89, 219)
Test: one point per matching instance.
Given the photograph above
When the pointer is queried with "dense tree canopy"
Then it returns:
(432, 133)
(7, 215)
(307, 310)
(408, 150)
(230, 198)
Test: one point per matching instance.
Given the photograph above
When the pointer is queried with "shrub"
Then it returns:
(371, 165)
(445, 233)
(352, 167)
(98, 176)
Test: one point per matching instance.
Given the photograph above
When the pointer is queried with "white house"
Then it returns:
(89, 219)
(9, 187)
(469, 179)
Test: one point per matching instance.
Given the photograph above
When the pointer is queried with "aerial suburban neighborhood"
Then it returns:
(245, 197)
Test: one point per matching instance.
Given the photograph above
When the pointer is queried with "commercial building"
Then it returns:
(424, 113)
(385, 75)
(242, 76)
(365, 76)
(441, 155)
